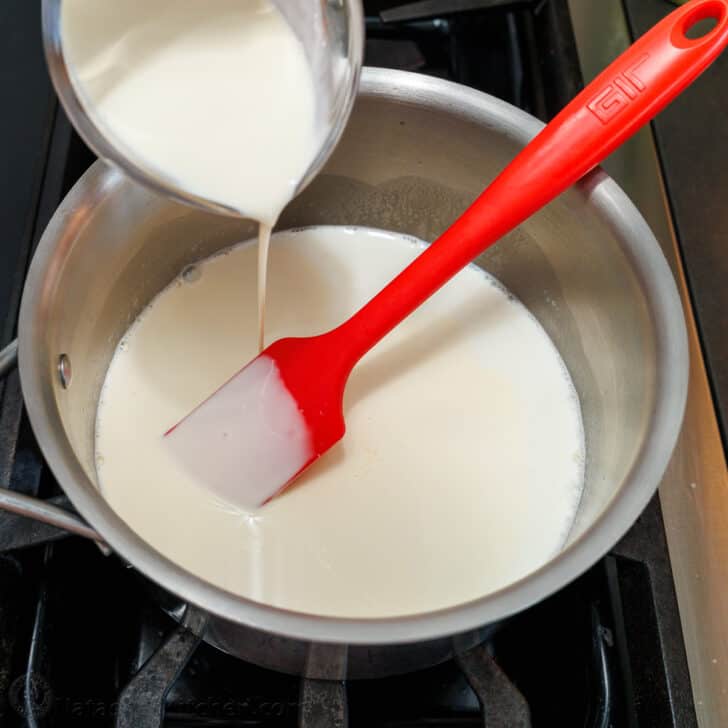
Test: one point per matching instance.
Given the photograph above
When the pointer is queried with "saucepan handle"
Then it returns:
(35, 508)
(8, 358)
(46, 512)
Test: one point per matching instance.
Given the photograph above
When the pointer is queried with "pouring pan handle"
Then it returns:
(51, 512)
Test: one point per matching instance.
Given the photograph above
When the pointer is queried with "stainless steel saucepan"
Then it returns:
(415, 154)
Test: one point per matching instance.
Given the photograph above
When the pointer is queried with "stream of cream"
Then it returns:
(264, 233)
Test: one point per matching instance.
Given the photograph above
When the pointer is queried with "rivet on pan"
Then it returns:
(64, 370)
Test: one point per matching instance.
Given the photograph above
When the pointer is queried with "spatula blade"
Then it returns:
(247, 440)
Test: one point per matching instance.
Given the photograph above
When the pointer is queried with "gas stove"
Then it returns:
(83, 643)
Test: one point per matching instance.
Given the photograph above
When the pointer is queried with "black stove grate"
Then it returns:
(81, 641)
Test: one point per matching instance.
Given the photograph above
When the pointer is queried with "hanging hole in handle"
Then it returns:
(699, 24)
(701, 28)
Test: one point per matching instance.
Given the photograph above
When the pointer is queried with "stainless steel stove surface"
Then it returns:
(82, 642)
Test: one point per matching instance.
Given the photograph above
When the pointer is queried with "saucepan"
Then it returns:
(416, 152)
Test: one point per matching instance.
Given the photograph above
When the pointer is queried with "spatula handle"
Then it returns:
(624, 97)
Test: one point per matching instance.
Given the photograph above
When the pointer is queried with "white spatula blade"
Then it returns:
(247, 440)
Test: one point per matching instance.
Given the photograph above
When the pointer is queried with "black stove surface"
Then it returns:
(82, 642)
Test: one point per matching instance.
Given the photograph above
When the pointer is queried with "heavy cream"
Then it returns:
(462, 466)
(212, 97)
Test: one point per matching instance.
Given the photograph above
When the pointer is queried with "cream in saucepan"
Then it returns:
(460, 472)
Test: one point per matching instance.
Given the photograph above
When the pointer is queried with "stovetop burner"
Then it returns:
(81, 641)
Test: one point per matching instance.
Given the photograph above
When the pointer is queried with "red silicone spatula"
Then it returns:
(281, 412)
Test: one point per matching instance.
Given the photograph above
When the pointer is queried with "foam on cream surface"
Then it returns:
(460, 472)
(214, 96)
